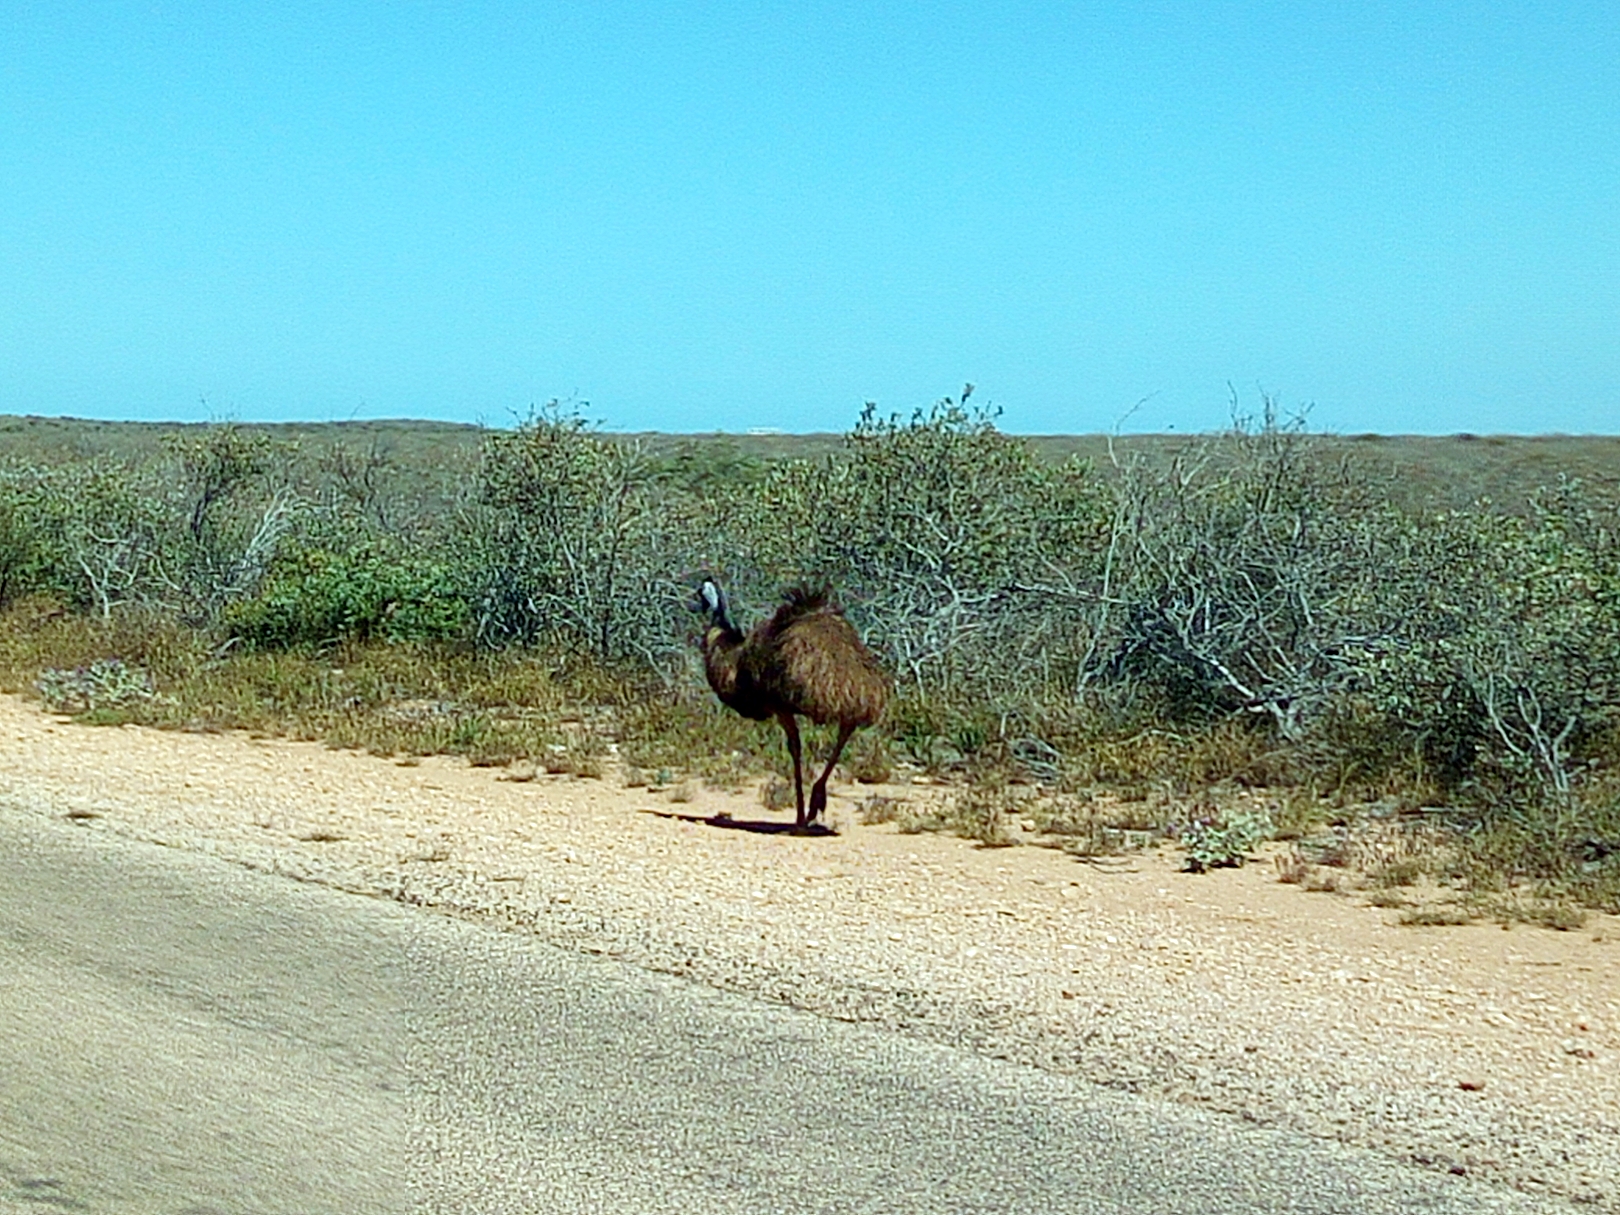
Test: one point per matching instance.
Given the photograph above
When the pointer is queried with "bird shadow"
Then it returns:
(758, 826)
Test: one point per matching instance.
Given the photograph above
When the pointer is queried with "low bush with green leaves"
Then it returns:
(330, 590)
(1222, 841)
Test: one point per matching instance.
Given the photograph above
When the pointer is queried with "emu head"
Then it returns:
(711, 601)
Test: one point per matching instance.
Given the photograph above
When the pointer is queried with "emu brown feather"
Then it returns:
(806, 660)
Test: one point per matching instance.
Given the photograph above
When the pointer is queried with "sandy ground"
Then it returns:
(1474, 1049)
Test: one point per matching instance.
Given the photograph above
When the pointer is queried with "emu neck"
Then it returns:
(721, 636)
(721, 648)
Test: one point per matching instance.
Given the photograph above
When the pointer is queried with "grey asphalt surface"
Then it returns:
(184, 1036)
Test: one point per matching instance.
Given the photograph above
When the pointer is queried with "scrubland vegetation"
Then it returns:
(1258, 633)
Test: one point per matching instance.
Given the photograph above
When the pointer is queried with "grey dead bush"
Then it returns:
(1242, 577)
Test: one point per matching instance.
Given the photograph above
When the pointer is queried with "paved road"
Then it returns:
(182, 1036)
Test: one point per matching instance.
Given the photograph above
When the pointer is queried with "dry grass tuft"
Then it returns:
(1446, 915)
(1293, 868)
(1085, 824)
(777, 794)
(1324, 881)
(877, 809)
(980, 814)
(867, 759)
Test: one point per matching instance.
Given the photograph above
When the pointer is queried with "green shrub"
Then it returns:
(575, 540)
(369, 589)
(28, 565)
(949, 537)
(94, 532)
(1223, 841)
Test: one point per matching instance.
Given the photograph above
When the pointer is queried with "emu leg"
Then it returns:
(818, 794)
(790, 727)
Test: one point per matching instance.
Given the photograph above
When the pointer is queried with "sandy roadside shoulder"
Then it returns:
(1491, 1052)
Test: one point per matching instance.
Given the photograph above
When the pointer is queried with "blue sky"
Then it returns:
(725, 216)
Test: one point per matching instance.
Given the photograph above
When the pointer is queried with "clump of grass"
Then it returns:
(583, 753)
(917, 818)
(1119, 761)
(1122, 754)
(1236, 751)
(982, 814)
(777, 794)
(1405, 872)
(1544, 909)
(1444, 915)
(1297, 812)
(1085, 825)
(877, 809)
(694, 734)
(385, 699)
(554, 760)
(1293, 869)
(1561, 915)
(477, 735)
(938, 736)
(1394, 851)
(1324, 881)
(36, 635)
(868, 760)
(1571, 852)
(909, 816)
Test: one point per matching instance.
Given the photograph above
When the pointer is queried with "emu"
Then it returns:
(805, 660)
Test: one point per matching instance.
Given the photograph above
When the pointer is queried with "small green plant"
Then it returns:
(107, 683)
(1223, 841)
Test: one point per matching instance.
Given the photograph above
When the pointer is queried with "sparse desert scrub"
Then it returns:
(1260, 617)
